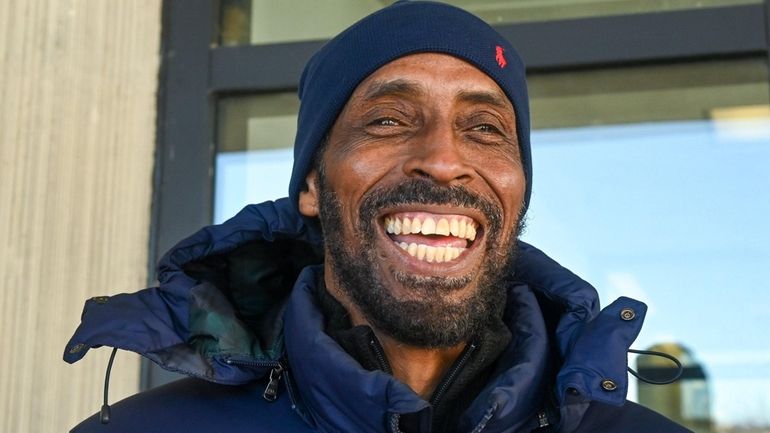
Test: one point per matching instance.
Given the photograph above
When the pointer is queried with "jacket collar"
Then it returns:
(340, 393)
(156, 323)
(173, 324)
(347, 397)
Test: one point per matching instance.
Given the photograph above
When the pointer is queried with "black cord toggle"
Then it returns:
(677, 375)
(104, 414)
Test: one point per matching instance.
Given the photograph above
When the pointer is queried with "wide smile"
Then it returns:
(437, 238)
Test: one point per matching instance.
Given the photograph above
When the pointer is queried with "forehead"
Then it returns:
(431, 73)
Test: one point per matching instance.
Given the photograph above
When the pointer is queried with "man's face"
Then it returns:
(420, 198)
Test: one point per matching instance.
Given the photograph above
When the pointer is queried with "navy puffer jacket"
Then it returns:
(234, 311)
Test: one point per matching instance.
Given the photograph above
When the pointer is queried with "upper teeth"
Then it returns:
(464, 228)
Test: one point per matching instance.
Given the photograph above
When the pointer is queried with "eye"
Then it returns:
(387, 121)
(486, 128)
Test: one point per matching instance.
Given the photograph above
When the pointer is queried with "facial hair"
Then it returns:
(425, 318)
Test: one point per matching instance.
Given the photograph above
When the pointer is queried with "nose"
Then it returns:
(437, 155)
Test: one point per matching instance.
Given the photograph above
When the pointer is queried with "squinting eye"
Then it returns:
(386, 122)
(485, 128)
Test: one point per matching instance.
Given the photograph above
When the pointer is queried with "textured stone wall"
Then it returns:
(78, 81)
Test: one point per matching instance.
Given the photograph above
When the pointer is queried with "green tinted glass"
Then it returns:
(683, 91)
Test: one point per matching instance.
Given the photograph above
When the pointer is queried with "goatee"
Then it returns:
(428, 318)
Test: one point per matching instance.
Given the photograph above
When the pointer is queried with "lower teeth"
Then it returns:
(431, 254)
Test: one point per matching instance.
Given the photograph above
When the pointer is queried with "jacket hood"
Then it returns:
(219, 311)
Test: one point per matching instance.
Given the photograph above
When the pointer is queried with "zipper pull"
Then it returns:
(271, 391)
(542, 420)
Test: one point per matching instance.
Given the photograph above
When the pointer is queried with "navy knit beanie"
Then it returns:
(406, 27)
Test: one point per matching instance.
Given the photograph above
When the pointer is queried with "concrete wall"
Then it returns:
(78, 80)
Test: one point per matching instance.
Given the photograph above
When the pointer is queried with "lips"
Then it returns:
(429, 237)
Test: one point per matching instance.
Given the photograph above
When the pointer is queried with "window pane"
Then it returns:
(511, 11)
(673, 214)
(257, 122)
(682, 91)
(269, 21)
(254, 139)
(650, 182)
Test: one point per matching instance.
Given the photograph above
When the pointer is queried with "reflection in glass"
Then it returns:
(254, 139)
(672, 214)
(266, 121)
(511, 11)
(688, 400)
(681, 91)
(271, 21)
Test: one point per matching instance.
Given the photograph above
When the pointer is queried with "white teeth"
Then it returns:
(416, 226)
(431, 254)
(421, 248)
(428, 226)
(406, 226)
(461, 228)
(447, 254)
(442, 228)
(471, 234)
(440, 254)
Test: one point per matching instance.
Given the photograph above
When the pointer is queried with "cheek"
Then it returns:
(513, 183)
(351, 176)
(363, 168)
(358, 171)
(506, 179)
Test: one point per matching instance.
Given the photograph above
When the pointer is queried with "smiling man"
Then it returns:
(389, 292)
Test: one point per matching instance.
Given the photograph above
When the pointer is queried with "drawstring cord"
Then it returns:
(677, 375)
(104, 414)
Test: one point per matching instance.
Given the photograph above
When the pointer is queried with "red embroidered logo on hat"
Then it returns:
(500, 57)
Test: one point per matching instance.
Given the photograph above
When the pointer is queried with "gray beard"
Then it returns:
(427, 318)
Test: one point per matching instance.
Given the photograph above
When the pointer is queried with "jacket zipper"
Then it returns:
(440, 390)
(271, 390)
(485, 419)
(380, 354)
(394, 421)
(542, 419)
(450, 377)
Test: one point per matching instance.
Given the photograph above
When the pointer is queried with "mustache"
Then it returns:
(423, 191)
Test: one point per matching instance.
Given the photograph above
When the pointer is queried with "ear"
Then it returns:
(308, 199)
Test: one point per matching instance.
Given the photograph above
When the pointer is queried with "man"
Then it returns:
(389, 293)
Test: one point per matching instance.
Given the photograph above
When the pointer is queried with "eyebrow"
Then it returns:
(484, 97)
(396, 87)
